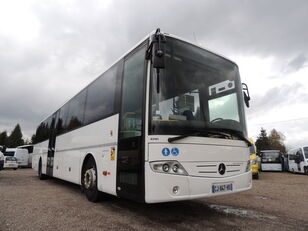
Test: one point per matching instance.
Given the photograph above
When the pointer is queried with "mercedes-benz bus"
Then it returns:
(166, 122)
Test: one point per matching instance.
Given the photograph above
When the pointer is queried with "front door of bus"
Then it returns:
(130, 167)
(51, 144)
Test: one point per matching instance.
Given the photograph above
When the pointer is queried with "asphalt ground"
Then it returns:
(277, 201)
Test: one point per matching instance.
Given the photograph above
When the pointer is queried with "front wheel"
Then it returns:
(89, 181)
(255, 176)
(306, 170)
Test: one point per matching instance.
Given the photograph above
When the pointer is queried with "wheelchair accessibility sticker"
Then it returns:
(174, 151)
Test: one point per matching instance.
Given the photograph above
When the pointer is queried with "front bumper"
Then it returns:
(159, 186)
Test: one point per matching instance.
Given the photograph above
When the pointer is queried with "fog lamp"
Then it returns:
(166, 167)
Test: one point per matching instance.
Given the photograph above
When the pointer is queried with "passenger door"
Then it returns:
(130, 159)
(51, 144)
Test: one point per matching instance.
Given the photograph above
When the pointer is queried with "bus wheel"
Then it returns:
(306, 170)
(89, 181)
(40, 174)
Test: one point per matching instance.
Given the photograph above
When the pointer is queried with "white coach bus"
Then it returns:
(166, 122)
(271, 160)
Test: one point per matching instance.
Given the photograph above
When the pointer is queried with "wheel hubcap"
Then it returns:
(89, 178)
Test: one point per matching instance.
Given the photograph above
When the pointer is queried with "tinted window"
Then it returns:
(42, 132)
(101, 96)
(61, 124)
(76, 111)
(132, 95)
(306, 152)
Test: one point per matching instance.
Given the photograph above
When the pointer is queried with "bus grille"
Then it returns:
(210, 169)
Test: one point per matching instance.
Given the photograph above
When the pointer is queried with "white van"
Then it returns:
(28, 147)
(21, 155)
(298, 160)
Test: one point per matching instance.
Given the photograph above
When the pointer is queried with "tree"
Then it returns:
(33, 139)
(262, 142)
(15, 139)
(3, 138)
(276, 141)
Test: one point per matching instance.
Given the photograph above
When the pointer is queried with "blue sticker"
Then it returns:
(175, 151)
(165, 151)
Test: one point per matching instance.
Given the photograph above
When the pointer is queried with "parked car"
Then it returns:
(10, 162)
(1, 160)
(21, 154)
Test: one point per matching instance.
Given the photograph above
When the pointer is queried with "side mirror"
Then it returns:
(159, 50)
(156, 53)
(246, 94)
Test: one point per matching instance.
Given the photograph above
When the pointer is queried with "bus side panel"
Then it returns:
(98, 139)
(40, 152)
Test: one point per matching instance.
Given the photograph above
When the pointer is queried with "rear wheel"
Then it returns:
(306, 170)
(40, 174)
(89, 181)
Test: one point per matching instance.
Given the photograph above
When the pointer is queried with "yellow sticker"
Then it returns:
(112, 153)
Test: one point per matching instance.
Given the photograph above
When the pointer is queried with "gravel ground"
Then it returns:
(278, 201)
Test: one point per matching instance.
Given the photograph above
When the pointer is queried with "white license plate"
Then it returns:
(216, 188)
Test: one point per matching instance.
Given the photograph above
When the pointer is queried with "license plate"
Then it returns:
(216, 188)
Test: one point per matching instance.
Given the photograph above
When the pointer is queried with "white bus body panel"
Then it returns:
(40, 151)
(96, 139)
(200, 157)
(271, 167)
(293, 167)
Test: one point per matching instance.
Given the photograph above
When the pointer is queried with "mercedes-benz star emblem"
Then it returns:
(222, 169)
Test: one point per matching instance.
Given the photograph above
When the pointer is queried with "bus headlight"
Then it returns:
(171, 167)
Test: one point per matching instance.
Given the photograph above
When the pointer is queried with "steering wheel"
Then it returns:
(216, 120)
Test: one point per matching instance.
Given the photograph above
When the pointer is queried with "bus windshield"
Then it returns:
(306, 152)
(196, 90)
(271, 157)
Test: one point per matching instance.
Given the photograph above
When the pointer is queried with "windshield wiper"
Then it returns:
(213, 131)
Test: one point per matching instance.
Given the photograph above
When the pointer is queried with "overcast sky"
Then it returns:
(49, 50)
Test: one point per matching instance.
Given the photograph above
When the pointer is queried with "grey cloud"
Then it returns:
(297, 63)
(276, 97)
(77, 41)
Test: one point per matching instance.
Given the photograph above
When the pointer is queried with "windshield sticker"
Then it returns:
(165, 151)
(221, 87)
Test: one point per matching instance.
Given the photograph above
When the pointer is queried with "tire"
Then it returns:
(40, 174)
(15, 168)
(306, 170)
(89, 181)
(256, 176)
